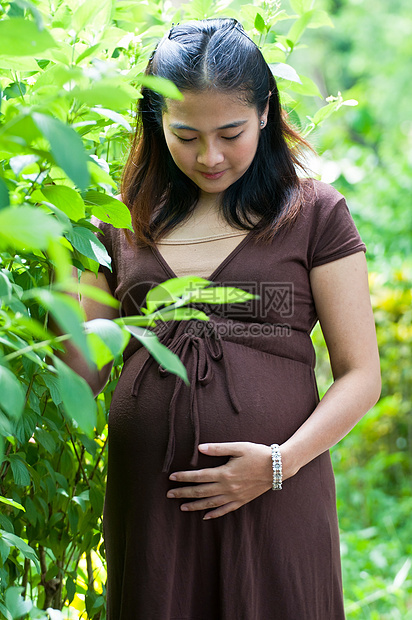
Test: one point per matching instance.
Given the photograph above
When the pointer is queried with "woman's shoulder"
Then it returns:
(327, 224)
(319, 194)
(320, 201)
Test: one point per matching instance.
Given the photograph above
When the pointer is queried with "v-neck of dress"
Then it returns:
(221, 265)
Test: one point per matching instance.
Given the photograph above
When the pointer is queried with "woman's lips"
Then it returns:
(216, 175)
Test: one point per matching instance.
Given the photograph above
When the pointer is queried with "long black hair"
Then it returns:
(212, 54)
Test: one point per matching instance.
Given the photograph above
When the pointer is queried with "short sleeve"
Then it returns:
(336, 235)
(105, 236)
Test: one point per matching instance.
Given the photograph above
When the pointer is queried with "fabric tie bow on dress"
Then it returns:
(199, 347)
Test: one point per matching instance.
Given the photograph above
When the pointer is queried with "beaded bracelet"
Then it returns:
(277, 467)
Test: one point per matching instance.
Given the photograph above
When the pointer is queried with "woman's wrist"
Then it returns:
(290, 462)
(277, 475)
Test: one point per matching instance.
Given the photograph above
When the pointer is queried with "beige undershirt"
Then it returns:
(199, 256)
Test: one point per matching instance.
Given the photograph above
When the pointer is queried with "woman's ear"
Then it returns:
(264, 115)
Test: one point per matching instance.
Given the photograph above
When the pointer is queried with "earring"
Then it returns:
(262, 123)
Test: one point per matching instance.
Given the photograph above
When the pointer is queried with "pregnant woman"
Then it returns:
(220, 501)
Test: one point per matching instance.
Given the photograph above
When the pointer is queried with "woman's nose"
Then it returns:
(209, 155)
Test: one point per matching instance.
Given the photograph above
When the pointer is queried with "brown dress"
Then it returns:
(251, 372)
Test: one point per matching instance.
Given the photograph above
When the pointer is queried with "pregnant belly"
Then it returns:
(275, 396)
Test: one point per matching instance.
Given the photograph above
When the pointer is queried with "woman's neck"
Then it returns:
(207, 203)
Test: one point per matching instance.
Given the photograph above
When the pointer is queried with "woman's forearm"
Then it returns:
(95, 378)
(73, 357)
(343, 405)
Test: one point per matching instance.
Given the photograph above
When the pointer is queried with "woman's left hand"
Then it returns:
(246, 475)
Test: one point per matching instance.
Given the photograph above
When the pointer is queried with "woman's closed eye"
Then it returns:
(185, 139)
(232, 137)
(223, 137)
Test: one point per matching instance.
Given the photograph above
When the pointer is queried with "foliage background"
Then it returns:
(75, 99)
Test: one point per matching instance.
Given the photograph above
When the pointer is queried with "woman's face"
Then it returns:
(212, 137)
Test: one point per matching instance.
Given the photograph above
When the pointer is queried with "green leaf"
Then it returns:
(85, 242)
(320, 18)
(299, 27)
(77, 397)
(162, 354)
(55, 76)
(309, 19)
(66, 147)
(60, 257)
(52, 382)
(171, 290)
(15, 541)
(174, 314)
(96, 498)
(326, 111)
(83, 263)
(88, 52)
(285, 71)
(66, 199)
(14, 90)
(4, 554)
(15, 603)
(111, 334)
(29, 6)
(12, 393)
(21, 131)
(273, 54)
(6, 288)
(160, 85)
(113, 116)
(306, 87)
(45, 439)
(99, 176)
(88, 11)
(21, 37)
(67, 313)
(18, 63)
(20, 162)
(21, 475)
(70, 589)
(92, 292)
(260, 23)
(113, 94)
(27, 228)
(108, 209)
(100, 352)
(4, 195)
(82, 500)
(140, 321)
(11, 502)
(301, 6)
(73, 515)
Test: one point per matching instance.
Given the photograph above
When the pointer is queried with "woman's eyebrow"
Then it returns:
(228, 126)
